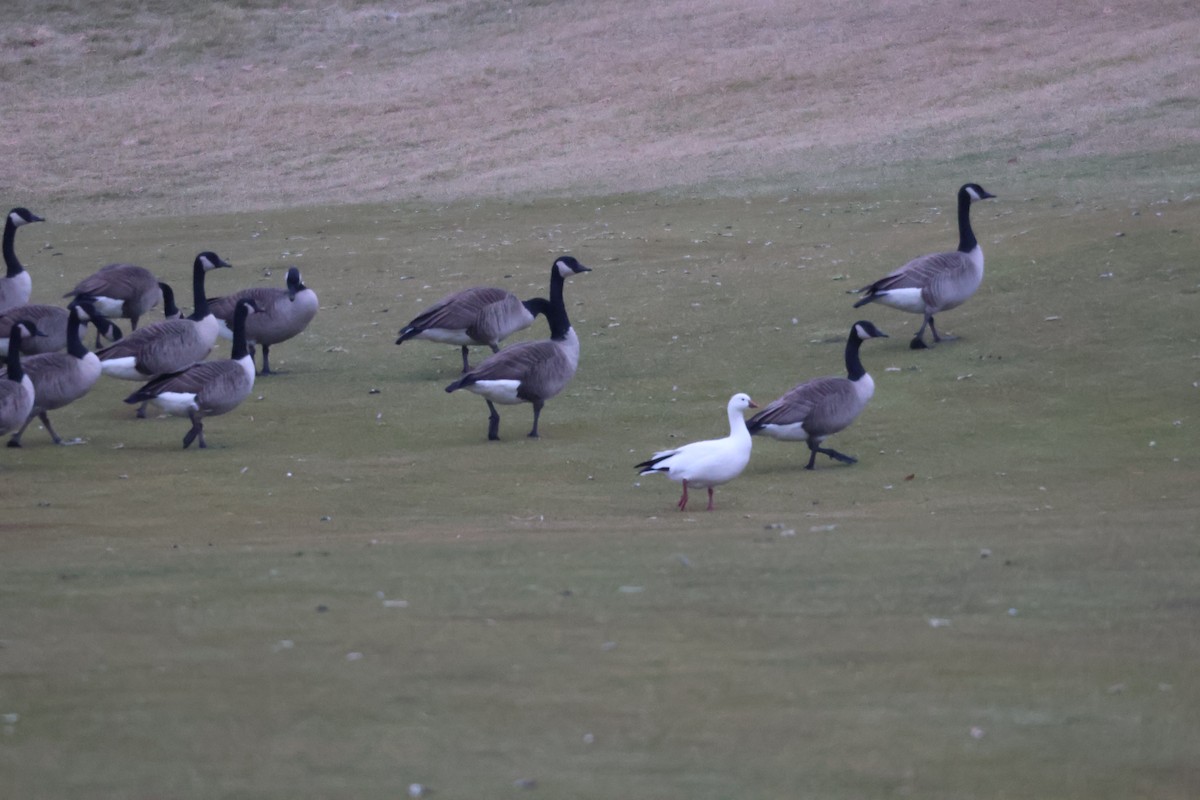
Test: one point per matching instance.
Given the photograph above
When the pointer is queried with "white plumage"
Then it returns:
(708, 463)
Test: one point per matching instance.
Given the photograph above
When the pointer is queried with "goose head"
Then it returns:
(85, 310)
(975, 191)
(740, 402)
(208, 260)
(294, 284)
(21, 216)
(568, 265)
(865, 329)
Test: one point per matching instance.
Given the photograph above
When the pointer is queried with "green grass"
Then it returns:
(181, 623)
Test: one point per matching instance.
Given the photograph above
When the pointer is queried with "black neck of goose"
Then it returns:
(966, 236)
(14, 265)
(170, 310)
(13, 361)
(240, 350)
(200, 304)
(556, 313)
(854, 367)
(75, 344)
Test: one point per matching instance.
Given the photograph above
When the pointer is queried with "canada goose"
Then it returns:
(938, 281)
(207, 389)
(282, 314)
(60, 378)
(479, 315)
(821, 407)
(52, 322)
(120, 290)
(16, 389)
(530, 372)
(711, 462)
(16, 287)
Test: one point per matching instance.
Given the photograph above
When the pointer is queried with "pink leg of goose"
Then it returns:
(710, 498)
(683, 500)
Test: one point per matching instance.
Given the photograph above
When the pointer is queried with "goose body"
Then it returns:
(816, 409)
(530, 372)
(168, 345)
(120, 290)
(52, 321)
(60, 378)
(16, 388)
(16, 287)
(936, 282)
(282, 314)
(207, 389)
(482, 315)
(708, 463)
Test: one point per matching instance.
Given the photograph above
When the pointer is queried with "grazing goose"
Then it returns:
(16, 389)
(61, 378)
(480, 315)
(938, 281)
(168, 345)
(282, 314)
(709, 463)
(120, 290)
(52, 322)
(207, 389)
(823, 406)
(16, 287)
(530, 372)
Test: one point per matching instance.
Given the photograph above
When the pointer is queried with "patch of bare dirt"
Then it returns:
(227, 107)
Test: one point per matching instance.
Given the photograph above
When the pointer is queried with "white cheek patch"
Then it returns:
(16, 219)
(499, 391)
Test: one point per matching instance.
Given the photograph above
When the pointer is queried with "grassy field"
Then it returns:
(352, 591)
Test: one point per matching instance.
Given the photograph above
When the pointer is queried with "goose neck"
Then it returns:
(75, 346)
(14, 265)
(240, 348)
(13, 360)
(200, 302)
(854, 367)
(556, 312)
(966, 236)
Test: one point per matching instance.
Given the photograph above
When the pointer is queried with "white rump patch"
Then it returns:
(177, 404)
(499, 391)
(108, 306)
(903, 299)
(785, 433)
(123, 368)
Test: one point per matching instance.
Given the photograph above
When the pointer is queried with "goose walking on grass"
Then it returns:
(52, 321)
(936, 282)
(61, 378)
(821, 407)
(530, 372)
(282, 314)
(482, 315)
(710, 463)
(208, 389)
(16, 389)
(120, 290)
(168, 345)
(16, 287)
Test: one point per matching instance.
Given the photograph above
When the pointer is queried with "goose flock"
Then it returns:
(170, 356)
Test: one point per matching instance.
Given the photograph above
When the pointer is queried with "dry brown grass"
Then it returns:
(176, 109)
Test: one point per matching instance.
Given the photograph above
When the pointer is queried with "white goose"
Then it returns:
(939, 281)
(709, 463)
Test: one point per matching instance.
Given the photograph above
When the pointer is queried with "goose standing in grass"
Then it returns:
(61, 378)
(282, 314)
(821, 407)
(482, 315)
(168, 345)
(16, 389)
(207, 389)
(939, 281)
(52, 322)
(120, 290)
(710, 463)
(530, 372)
(16, 287)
